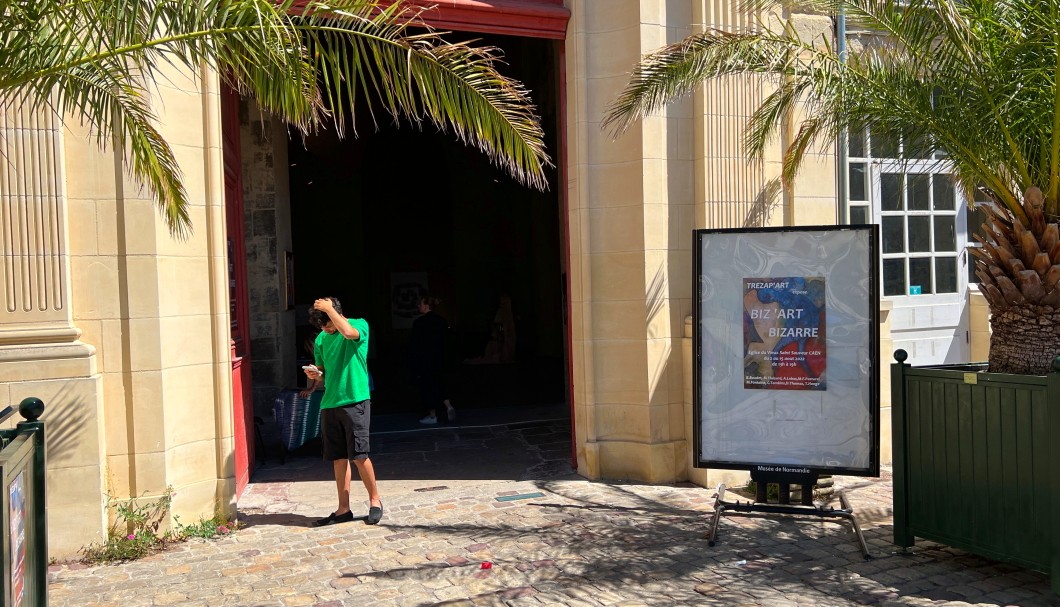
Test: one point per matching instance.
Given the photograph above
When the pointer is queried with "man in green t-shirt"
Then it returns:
(341, 356)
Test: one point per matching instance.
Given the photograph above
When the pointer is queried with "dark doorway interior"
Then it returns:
(375, 215)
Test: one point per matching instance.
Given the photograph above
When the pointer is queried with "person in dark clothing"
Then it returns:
(427, 345)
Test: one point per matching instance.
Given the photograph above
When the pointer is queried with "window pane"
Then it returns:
(920, 234)
(918, 147)
(945, 233)
(859, 215)
(945, 200)
(857, 181)
(972, 278)
(918, 192)
(945, 274)
(981, 195)
(894, 277)
(856, 143)
(920, 274)
(893, 234)
(884, 145)
(976, 218)
(891, 191)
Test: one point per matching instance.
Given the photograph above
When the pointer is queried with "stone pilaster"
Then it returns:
(630, 213)
(40, 351)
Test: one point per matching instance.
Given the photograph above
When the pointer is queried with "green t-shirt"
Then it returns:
(345, 363)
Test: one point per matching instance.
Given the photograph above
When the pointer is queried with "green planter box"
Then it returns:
(977, 461)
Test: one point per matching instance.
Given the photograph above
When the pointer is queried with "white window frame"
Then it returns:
(874, 169)
(877, 168)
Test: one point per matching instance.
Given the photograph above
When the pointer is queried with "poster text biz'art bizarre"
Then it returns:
(784, 333)
(787, 340)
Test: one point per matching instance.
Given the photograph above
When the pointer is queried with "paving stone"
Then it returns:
(582, 543)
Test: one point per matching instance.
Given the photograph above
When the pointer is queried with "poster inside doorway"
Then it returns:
(784, 333)
(406, 288)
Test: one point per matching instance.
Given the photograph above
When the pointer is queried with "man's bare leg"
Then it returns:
(342, 484)
(367, 474)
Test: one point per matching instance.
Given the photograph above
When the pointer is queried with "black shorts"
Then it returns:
(344, 431)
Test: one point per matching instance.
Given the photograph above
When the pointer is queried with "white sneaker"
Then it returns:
(430, 419)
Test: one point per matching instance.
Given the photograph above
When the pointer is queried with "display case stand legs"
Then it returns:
(846, 512)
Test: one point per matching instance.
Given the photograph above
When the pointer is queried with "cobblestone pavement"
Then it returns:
(542, 537)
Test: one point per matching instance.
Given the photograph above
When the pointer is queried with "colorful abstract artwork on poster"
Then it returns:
(17, 519)
(784, 333)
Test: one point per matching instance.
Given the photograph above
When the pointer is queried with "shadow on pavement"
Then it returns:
(523, 451)
(286, 519)
(631, 539)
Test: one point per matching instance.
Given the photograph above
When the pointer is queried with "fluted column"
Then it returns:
(33, 274)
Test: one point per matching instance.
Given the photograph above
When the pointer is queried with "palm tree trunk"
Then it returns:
(1025, 339)
(1019, 272)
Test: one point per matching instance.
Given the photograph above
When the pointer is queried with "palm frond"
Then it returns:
(976, 77)
(677, 69)
(454, 86)
(301, 61)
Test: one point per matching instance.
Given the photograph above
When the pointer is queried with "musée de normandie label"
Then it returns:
(784, 333)
(784, 469)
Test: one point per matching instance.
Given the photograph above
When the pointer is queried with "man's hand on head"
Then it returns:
(336, 319)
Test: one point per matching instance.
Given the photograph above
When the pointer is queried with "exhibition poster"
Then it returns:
(17, 517)
(784, 333)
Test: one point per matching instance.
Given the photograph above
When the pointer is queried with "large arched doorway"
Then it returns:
(373, 217)
(378, 218)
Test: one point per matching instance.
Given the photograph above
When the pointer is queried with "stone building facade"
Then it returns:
(124, 332)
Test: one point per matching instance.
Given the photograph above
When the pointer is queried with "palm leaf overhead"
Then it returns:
(974, 79)
(305, 62)
(977, 78)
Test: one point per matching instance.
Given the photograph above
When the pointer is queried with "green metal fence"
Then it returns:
(24, 532)
(976, 459)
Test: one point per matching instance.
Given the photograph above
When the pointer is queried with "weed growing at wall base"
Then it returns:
(206, 528)
(135, 530)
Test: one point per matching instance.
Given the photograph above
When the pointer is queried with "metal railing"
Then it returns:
(23, 520)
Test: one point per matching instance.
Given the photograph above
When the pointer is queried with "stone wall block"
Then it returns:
(264, 224)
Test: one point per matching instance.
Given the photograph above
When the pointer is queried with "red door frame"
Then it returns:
(239, 309)
(530, 18)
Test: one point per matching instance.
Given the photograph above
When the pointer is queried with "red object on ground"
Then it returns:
(487, 565)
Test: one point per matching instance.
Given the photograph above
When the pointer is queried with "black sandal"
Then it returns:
(375, 514)
(333, 518)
